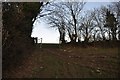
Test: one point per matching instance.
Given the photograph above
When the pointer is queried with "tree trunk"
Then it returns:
(74, 20)
(114, 34)
(62, 35)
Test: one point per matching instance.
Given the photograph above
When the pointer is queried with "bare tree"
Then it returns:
(67, 13)
(58, 22)
(99, 19)
(74, 10)
(55, 18)
(87, 26)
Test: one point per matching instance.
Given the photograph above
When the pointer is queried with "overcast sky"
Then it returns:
(50, 35)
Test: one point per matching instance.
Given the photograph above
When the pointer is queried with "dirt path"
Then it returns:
(68, 62)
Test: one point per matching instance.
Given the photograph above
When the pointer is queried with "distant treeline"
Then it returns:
(73, 21)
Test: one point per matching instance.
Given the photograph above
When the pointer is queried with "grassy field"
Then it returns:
(68, 62)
